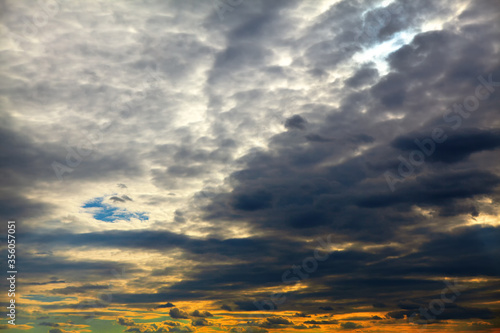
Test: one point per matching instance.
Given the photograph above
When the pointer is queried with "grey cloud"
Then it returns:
(116, 199)
(78, 289)
(178, 314)
(296, 121)
(202, 314)
(363, 76)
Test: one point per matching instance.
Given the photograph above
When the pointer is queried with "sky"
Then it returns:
(251, 166)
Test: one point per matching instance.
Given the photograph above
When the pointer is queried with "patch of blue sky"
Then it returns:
(108, 213)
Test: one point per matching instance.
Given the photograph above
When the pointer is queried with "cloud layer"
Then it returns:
(253, 166)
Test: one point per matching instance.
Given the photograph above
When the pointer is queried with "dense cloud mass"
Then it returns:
(252, 166)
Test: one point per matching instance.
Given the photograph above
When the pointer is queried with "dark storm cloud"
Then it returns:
(166, 305)
(15, 207)
(321, 322)
(21, 164)
(363, 76)
(202, 314)
(162, 241)
(388, 278)
(178, 314)
(148, 298)
(276, 322)
(125, 321)
(45, 283)
(44, 323)
(326, 308)
(391, 90)
(258, 200)
(41, 267)
(379, 305)
(437, 189)
(349, 325)
(83, 305)
(79, 290)
(457, 147)
(226, 307)
(468, 251)
(296, 121)
(450, 312)
(200, 322)
(246, 305)
(291, 172)
(317, 138)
